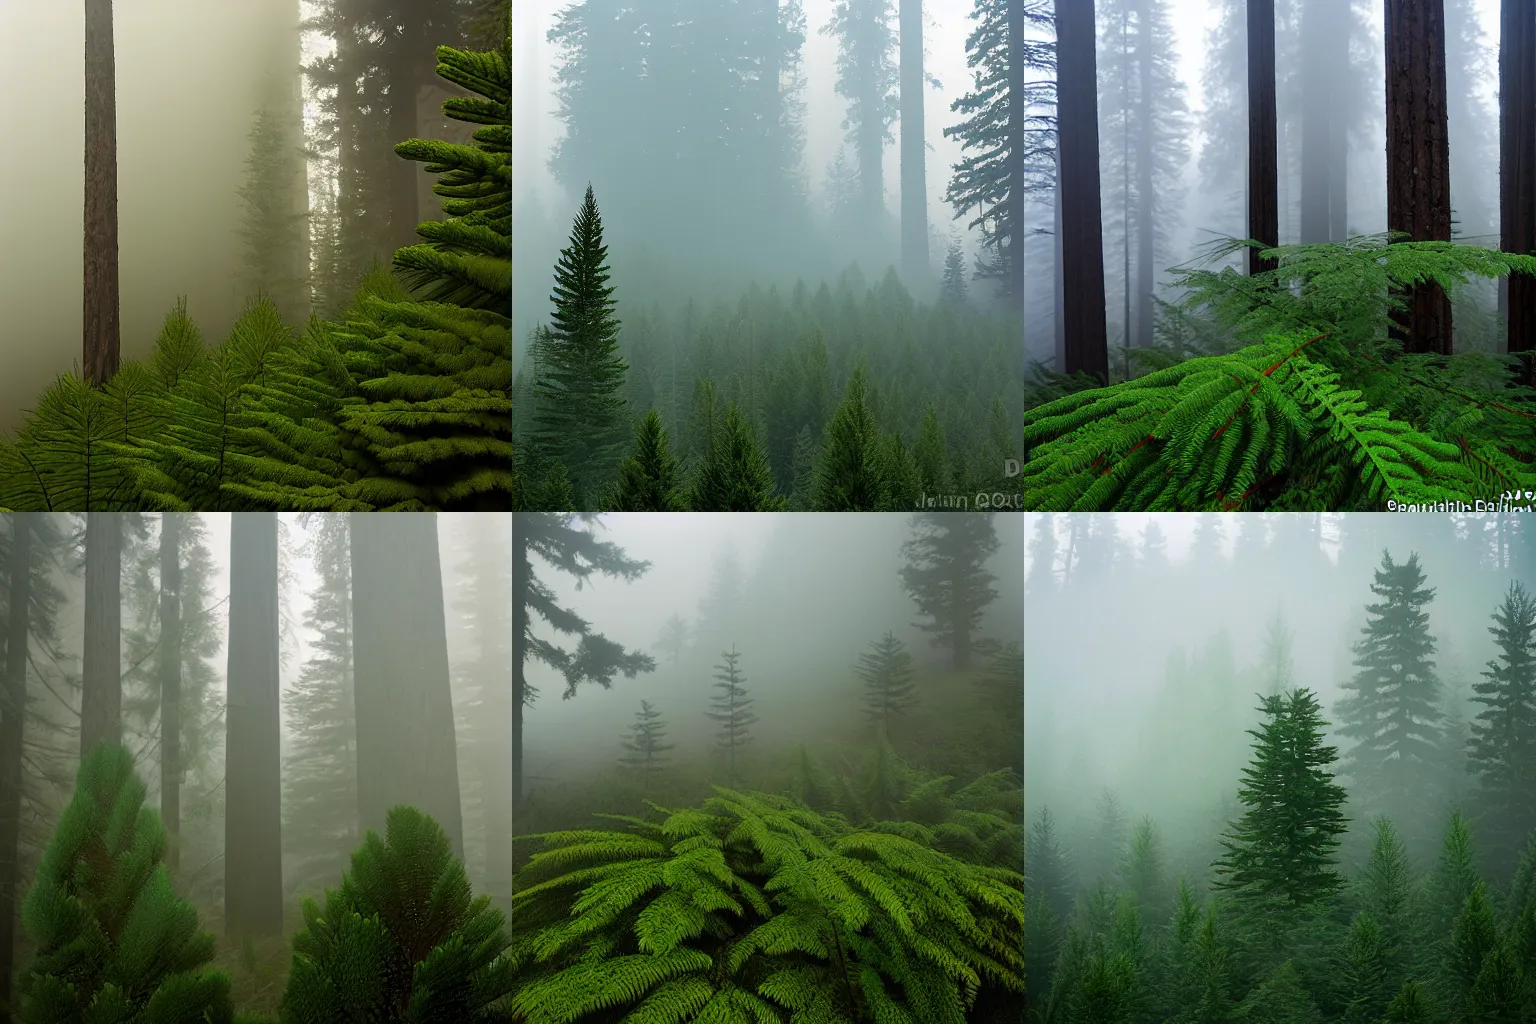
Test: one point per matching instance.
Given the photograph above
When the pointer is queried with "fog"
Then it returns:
(1148, 645)
(190, 76)
(800, 598)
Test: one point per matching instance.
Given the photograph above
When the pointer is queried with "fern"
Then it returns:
(1325, 413)
(754, 908)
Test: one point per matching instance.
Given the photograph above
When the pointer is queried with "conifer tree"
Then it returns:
(1474, 938)
(320, 765)
(803, 471)
(402, 938)
(1364, 971)
(928, 454)
(1047, 870)
(649, 478)
(946, 576)
(1276, 659)
(112, 940)
(674, 638)
(1454, 878)
(578, 390)
(555, 538)
(735, 476)
(1280, 997)
(1143, 876)
(273, 220)
(1392, 704)
(1284, 846)
(1409, 1006)
(645, 744)
(886, 669)
(900, 475)
(1386, 888)
(1111, 832)
(1502, 749)
(731, 707)
(850, 475)
(954, 290)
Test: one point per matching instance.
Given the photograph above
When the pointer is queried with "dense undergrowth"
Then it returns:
(401, 403)
(401, 939)
(1326, 412)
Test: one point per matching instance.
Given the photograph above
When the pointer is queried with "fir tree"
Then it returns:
(674, 638)
(735, 476)
(578, 392)
(320, 762)
(902, 489)
(112, 940)
(1474, 938)
(648, 479)
(1409, 1006)
(1276, 659)
(731, 707)
(1047, 870)
(946, 576)
(555, 538)
(803, 471)
(928, 454)
(1142, 874)
(1449, 886)
(1364, 971)
(273, 220)
(954, 290)
(645, 744)
(886, 669)
(1392, 704)
(1283, 847)
(1502, 750)
(1386, 888)
(1280, 999)
(1111, 831)
(850, 475)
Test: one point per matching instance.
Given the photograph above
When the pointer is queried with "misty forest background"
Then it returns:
(880, 758)
(280, 683)
(1299, 786)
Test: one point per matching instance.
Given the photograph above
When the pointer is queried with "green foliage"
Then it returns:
(752, 907)
(113, 942)
(649, 480)
(1502, 747)
(273, 225)
(402, 940)
(1323, 411)
(851, 474)
(399, 405)
(732, 708)
(644, 745)
(1284, 846)
(886, 669)
(734, 475)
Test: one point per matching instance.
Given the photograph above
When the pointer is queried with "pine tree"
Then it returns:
(1143, 874)
(112, 940)
(645, 744)
(1276, 659)
(1392, 704)
(928, 455)
(731, 707)
(954, 290)
(674, 638)
(1047, 869)
(735, 476)
(946, 576)
(1281, 999)
(1474, 938)
(1502, 750)
(1386, 888)
(554, 537)
(803, 471)
(886, 669)
(320, 765)
(1111, 831)
(1364, 971)
(850, 475)
(649, 478)
(1450, 885)
(578, 392)
(1283, 847)
(1409, 1006)
(403, 936)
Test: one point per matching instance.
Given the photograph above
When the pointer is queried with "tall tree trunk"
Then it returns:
(101, 677)
(1517, 168)
(520, 595)
(102, 337)
(406, 77)
(1337, 45)
(1263, 146)
(1082, 239)
(169, 652)
(1318, 100)
(914, 186)
(1058, 296)
(1419, 156)
(406, 752)
(1146, 149)
(253, 852)
(1016, 142)
(13, 710)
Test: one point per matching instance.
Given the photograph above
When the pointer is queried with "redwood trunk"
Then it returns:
(253, 862)
(1419, 156)
(102, 333)
(1082, 239)
(1517, 168)
(1263, 171)
(13, 707)
(170, 684)
(101, 682)
(1145, 153)
(914, 188)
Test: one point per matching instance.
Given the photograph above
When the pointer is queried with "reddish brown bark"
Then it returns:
(1517, 167)
(1419, 156)
(102, 333)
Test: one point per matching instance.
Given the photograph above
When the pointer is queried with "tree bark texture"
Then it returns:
(1263, 147)
(101, 683)
(1517, 168)
(1082, 241)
